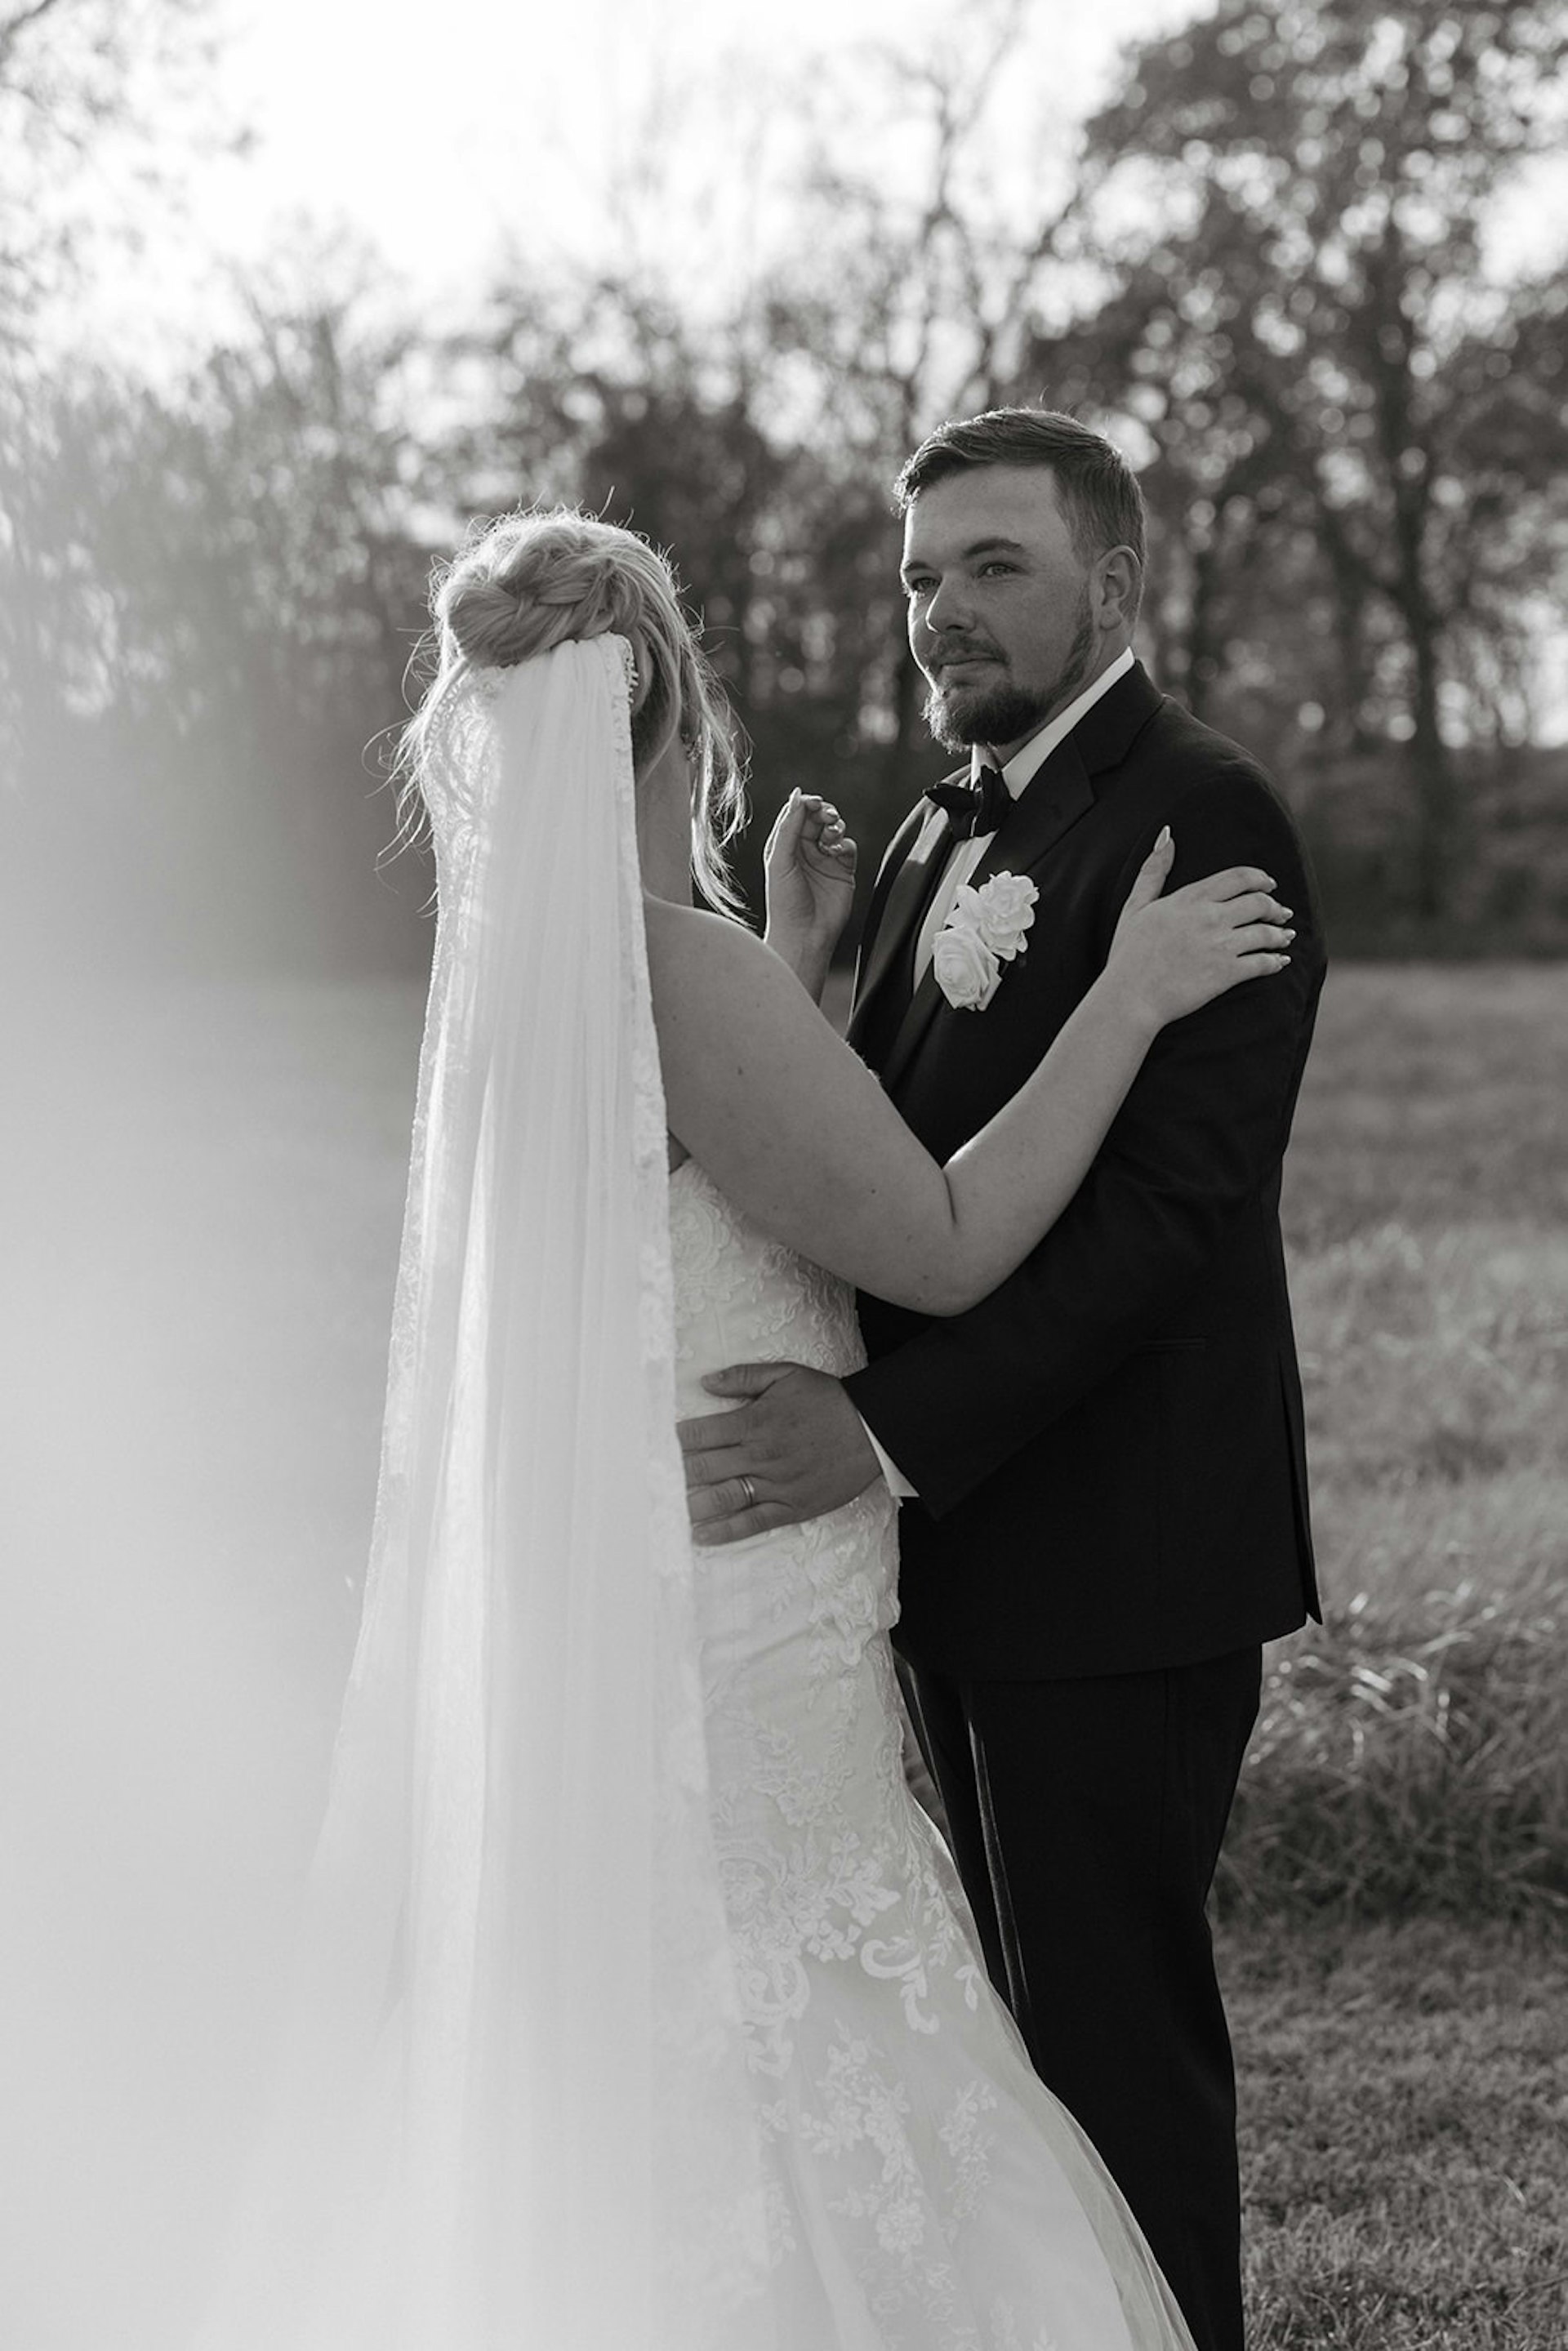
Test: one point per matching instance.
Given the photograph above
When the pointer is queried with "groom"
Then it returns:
(1105, 1510)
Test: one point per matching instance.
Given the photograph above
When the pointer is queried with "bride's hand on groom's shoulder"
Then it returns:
(809, 867)
(1172, 953)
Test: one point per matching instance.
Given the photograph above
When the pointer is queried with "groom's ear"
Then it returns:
(1117, 588)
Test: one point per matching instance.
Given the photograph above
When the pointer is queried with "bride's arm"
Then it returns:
(796, 1131)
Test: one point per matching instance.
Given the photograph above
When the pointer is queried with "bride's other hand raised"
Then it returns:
(1172, 954)
(809, 867)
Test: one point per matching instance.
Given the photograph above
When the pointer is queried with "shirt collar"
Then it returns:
(1027, 762)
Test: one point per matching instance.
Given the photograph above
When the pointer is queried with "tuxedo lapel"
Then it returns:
(922, 1010)
(1062, 790)
(908, 895)
(1057, 796)
(1109, 727)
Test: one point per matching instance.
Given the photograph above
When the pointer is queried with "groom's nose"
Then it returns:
(949, 610)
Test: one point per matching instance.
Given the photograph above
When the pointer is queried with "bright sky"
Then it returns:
(423, 135)
(430, 132)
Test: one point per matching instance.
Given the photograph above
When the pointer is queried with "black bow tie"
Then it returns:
(976, 807)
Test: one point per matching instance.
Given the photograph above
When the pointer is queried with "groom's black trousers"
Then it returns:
(1108, 1798)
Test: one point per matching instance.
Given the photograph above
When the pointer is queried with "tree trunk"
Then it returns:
(1431, 769)
(907, 684)
(1347, 726)
(1432, 774)
(1205, 645)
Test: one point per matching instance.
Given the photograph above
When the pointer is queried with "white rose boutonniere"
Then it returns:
(1004, 909)
(985, 930)
(967, 971)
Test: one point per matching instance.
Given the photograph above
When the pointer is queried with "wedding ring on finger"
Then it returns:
(749, 1490)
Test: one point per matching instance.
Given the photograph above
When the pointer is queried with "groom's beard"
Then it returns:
(960, 714)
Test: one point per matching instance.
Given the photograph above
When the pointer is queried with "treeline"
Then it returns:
(1271, 280)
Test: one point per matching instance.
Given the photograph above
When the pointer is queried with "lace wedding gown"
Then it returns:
(925, 2191)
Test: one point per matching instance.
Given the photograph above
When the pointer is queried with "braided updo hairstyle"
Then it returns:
(527, 581)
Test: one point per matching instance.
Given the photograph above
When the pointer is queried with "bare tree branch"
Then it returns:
(12, 27)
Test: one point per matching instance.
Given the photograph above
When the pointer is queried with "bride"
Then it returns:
(637, 2006)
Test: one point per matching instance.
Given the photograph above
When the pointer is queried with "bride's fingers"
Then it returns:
(1236, 882)
(1152, 873)
(824, 832)
(802, 815)
(1253, 906)
(1254, 938)
(1256, 966)
(1222, 889)
(790, 820)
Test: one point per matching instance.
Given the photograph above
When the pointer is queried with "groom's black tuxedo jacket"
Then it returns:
(1108, 1450)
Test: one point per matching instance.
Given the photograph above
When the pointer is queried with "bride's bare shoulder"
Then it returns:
(689, 948)
(682, 930)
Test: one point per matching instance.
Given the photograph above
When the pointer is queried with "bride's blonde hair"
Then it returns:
(524, 582)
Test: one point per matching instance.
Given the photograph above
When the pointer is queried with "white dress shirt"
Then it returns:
(1019, 771)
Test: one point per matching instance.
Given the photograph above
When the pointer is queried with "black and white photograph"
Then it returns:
(784, 1527)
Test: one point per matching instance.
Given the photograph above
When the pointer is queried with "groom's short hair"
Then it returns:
(1098, 489)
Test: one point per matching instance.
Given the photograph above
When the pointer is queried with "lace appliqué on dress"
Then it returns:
(850, 1953)
(924, 2190)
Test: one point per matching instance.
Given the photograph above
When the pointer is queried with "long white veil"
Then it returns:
(511, 2107)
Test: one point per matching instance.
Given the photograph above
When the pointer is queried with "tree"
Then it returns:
(1312, 336)
(756, 433)
(225, 592)
(605, 394)
(905, 300)
(77, 75)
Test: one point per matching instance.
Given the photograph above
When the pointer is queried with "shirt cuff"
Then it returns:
(897, 1482)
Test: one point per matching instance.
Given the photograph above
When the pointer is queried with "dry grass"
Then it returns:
(1404, 2155)
(1413, 1752)
(1404, 2083)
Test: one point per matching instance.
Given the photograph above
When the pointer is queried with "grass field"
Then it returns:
(196, 1348)
(1404, 2103)
(1403, 2049)
(1414, 1754)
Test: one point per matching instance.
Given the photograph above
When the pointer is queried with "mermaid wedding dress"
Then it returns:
(924, 2190)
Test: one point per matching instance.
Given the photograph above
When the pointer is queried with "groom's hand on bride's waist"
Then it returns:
(793, 1447)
